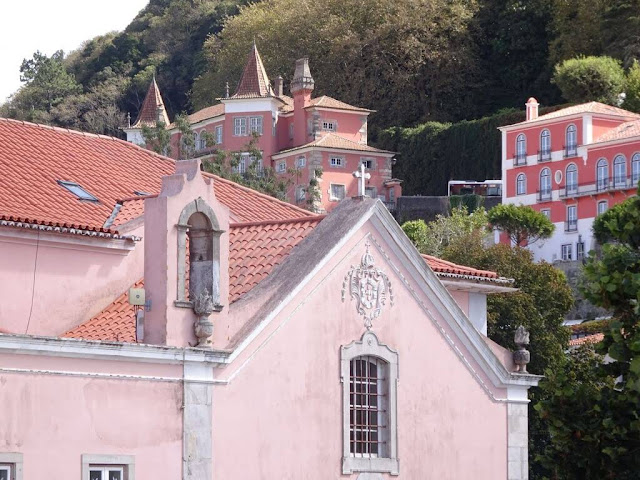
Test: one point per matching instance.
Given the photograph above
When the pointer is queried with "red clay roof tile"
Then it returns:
(595, 338)
(254, 81)
(33, 158)
(148, 114)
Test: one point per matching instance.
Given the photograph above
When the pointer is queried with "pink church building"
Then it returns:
(300, 137)
(157, 321)
(572, 165)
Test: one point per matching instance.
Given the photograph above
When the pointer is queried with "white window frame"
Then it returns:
(334, 198)
(13, 463)
(571, 140)
(580, 254)
(369, 346)
(281, 166)
(301, 161)
(219, 132)
(301, 193)
(521, 180)
(521, 146)
(240, 127)
(599, 209)
(255, 125)
(566, 251)
(619, 171)
(572, 217)
(329, 125)
(545, 144)
(602, 174)
(372, 190)
(370, 161)
(635, 169)
(571, 184)
(546, 212)
(337, 162)
(545, 183)
(125, 462)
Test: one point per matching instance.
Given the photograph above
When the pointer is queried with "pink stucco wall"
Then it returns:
(283, 407)
(54, 419)
(69, 281)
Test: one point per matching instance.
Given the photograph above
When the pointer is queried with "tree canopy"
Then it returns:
(521, 223)
(587, 79)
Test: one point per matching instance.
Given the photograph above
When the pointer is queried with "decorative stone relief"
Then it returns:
(369, 287)
(203, 307)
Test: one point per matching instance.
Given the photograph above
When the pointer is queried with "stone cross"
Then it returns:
(361, 175)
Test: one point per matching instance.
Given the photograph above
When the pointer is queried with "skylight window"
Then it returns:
(141, 193)
(78, 191)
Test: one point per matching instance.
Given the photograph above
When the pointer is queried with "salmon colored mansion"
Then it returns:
(160, 322)
(301, 138)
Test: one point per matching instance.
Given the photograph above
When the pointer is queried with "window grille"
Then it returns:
(367, 406)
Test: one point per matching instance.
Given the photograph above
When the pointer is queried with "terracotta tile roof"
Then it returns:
(114, 323)
(258, 247)
(333, 141)
(595, 338)
(213, 111)
(254, 81)
(330, 102)
(624, 130)
(450, 269)
(148, 114)
(288, 104)
(590, 107)
(33, 158)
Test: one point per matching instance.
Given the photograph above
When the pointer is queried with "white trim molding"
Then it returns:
(370, 346)
(128, 462)
(14, 460)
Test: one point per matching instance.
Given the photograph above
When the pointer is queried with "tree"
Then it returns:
(586, 79)
(632, 88)
(47, 80)
(157, 138)
(434, 237)
(521, 223)
(601, 438)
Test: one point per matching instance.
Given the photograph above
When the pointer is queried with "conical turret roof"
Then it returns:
(254, 82)
(152, 109)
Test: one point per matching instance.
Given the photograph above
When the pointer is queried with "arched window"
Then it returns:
(521, 149)
(545, 145)
(602, 207)
(199, 229)
(369, 373)
(635, 169)
(571, 141)
(521, 184)
(545, 184)
(620, 171)
(572, 178)
(602, 174)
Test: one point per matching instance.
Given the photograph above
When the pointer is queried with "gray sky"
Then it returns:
(50, 25)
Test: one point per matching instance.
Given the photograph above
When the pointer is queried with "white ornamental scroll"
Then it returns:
(369, 286)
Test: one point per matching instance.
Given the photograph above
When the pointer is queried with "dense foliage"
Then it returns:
(586, 79)
(603, 440)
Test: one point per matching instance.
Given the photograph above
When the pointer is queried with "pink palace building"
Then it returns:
(572, 165)
(159, 322)
(296, 133)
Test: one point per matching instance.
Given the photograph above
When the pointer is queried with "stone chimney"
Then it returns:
(279, 85)
(301, 87)
(302, 79)
(186, 243)
(532, 108)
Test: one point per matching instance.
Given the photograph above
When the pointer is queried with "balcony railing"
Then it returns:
(520, 159)
(599, 186)
(544, 155)
(571, 225)
(544, 195)
(570, 151)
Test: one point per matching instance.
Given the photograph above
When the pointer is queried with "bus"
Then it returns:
(488, 188)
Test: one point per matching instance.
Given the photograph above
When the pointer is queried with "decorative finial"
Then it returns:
(203, 307)
(522, 356)
(129, 119)
(227, 90)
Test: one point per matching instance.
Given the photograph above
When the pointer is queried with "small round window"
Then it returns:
(558, 176)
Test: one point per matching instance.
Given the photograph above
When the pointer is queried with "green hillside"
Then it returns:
(414, 61)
